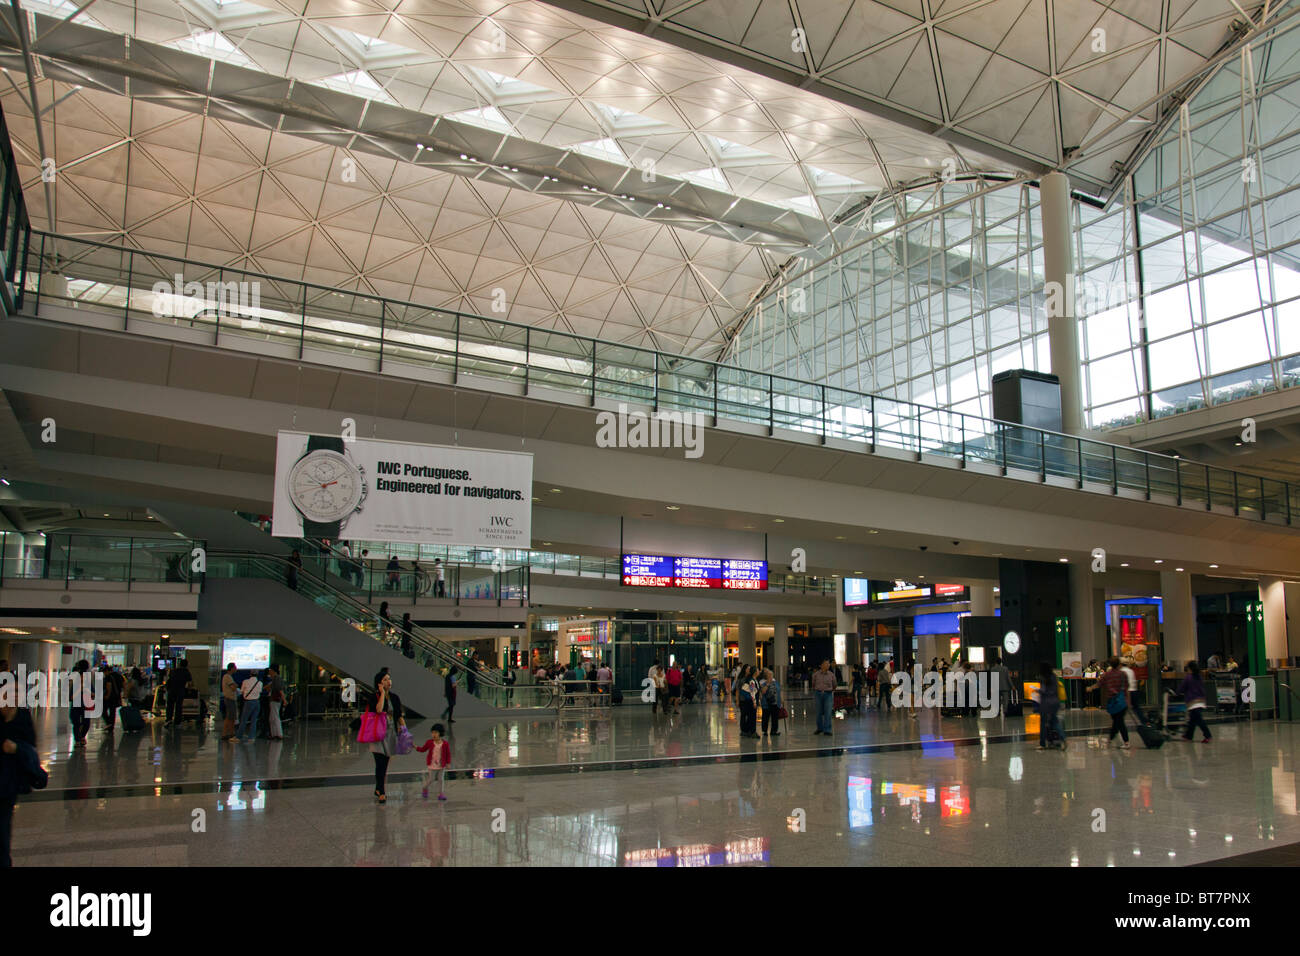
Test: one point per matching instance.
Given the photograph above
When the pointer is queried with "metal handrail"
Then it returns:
(655, 365)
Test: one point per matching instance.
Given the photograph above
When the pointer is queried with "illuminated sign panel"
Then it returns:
(660, 571)
(861, 591)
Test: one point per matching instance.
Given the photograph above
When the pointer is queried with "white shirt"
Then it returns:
(1132, 677)
(437, 570)
(251, 688)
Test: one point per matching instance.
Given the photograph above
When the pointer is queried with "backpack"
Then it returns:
(1117, 702)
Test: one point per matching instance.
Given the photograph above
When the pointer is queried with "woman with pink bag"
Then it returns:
(379, 728)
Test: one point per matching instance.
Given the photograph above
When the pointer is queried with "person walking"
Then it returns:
(655, 676)
(823, 685)
(229, 702)
(771, 696)
(387, 703)
(250, 692)
(871, 675)
(394, 569)
(885, 682)
(1050, 731)
(19, 761)
(179, 679)
(449, 683)
(437, 761)
(406, 636)
(1131, 685)
(674, 679)
(275, 688)
(1193, 692)
(605, 680)
(439, 578)
(859, 682)
(747, 698)
(1114, 691)
(112, 698)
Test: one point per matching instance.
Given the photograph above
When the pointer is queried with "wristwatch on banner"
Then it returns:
(326, 487)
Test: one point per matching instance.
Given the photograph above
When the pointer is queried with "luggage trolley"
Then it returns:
(1174, 713)
(1227, 694)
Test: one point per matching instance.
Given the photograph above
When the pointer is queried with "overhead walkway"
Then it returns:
(69, 280)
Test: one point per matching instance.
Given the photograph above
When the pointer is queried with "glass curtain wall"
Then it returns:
(1187, 281)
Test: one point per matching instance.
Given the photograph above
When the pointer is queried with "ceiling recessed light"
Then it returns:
(673, 507)
(872, 531)
(1214, 565)
(1064, 560)
(1124, 565)
(1160, 560)
(778, 520)
(1178, 569)
(556, 491)
(546, 544)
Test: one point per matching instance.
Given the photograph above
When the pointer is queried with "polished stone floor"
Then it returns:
(886, 790)
(325, 750)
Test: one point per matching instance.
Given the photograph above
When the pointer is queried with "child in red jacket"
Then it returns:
(438, 759)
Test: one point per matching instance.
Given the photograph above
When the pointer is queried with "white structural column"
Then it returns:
(1180, 617)
(846, 622)
(981, 600)
(780, 647)
(1272, 592)
(745, 639)
(1087, 614)
(1058, 267)
(1292, 592)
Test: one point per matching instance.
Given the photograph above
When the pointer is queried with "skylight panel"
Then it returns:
(487, 117)
(358, 83)
(825, 179)
(605, 149)
(730, 151)
(711, 177)
(214, 46)
(804, 204)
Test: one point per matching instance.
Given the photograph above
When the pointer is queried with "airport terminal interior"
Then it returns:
(874, 430)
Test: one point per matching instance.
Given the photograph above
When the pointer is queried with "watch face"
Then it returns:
(1011, 642)
(325, 486)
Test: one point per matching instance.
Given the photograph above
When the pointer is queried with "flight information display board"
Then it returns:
(662, 571)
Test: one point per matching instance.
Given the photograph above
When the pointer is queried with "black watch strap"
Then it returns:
(322, 529)
(325, 442)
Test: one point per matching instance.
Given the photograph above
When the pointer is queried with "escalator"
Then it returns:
(249, 593)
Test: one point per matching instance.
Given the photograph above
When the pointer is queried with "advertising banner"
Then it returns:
(400, 491)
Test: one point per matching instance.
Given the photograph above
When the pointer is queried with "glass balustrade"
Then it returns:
(162, 296)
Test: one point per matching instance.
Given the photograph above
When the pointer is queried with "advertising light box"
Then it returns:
(246, 653)
(663, 571)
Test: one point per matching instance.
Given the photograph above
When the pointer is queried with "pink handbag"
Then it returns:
(374, 728)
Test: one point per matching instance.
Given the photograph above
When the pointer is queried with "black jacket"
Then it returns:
(16, 769)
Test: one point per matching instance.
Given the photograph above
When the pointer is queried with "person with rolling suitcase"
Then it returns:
(1051, 733)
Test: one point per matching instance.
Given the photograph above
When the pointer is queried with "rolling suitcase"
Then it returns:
(1153, 738)
(616, 696)
(132, 721)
